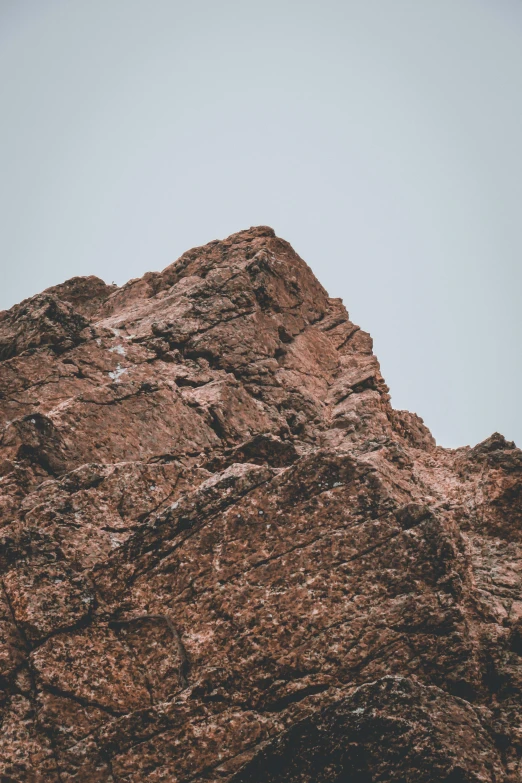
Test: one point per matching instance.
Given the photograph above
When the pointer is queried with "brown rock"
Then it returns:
(224, 556)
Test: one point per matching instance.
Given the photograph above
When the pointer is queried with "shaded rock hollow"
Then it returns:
(225, 557)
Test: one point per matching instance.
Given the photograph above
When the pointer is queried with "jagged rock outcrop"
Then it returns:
(225, 557)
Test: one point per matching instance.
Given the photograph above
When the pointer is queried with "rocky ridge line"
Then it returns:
(225, 557)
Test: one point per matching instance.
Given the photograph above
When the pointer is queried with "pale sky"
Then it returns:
(382, 138)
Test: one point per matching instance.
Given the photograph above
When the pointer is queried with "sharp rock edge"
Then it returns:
(225, 557)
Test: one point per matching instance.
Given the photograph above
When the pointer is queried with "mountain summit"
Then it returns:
(224, 555)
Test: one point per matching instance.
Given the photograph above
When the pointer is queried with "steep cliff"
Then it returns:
(225, 557)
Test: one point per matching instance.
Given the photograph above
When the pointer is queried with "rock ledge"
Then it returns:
(225, 557)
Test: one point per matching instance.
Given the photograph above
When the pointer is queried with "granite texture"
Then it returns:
(225, 557)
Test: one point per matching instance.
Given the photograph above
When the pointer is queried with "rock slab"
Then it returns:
(224, 556)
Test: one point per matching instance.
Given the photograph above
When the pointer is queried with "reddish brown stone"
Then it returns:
(224, 556)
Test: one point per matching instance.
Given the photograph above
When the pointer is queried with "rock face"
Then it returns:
(225, 557)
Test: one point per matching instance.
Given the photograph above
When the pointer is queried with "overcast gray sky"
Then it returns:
(382, 138)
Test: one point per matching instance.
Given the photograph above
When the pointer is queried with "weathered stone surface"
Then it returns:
(393, 729)
(224, 556)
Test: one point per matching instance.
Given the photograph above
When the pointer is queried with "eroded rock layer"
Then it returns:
(225, 557)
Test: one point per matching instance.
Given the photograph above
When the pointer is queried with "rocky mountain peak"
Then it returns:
(225, 556)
